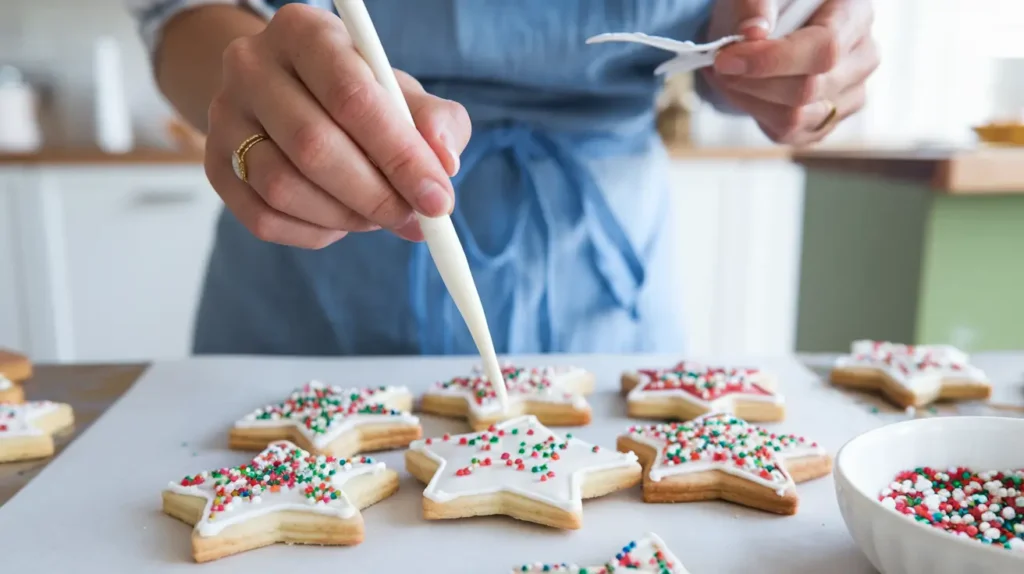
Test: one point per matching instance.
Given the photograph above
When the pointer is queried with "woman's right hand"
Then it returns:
(340, 157)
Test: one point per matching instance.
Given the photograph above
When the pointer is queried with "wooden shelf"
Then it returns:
(685, 152)
(982, 170)
(956, 171)
(95, 156)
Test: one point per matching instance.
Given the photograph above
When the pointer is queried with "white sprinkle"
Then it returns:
(992, 533)
(1008, 513)
(1017, 544)
(922, 484)
(988, 516)
(958, 495)
(984, 526)
(1019, 502)
(889, 503)
(932, 502)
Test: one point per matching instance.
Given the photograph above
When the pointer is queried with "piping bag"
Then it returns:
(689, 56)
(442, 241)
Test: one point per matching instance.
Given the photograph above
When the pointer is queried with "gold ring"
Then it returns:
(238, 157)
(833, 112)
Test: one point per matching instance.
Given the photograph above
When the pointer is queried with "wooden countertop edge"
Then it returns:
(971, 171)
(91, 156)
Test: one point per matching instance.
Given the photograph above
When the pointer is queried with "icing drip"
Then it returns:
(282, 477)
(519, 455)
(541, 384)
(649, 555)
(723, 442)
(706, 386)
(322, 413)
(17, 420)
(918, 367)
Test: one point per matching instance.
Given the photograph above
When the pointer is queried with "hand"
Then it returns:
(340, 157)
(790, 85)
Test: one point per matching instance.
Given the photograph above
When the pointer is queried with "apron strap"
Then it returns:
(614, 257)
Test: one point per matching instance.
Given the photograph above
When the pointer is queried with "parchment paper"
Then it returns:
(96, 508)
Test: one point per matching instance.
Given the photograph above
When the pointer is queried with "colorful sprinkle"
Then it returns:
(983, 506)
(726, 442)
(647, 555)
(704, 383)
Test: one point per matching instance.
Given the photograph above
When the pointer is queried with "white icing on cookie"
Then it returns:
(648, 555)
(5, 384)
(720, 441)
(322, 413)
(502, 460)
(254, 484)
(919, 368)
(18, 420)
(536, 384)
(713, 388)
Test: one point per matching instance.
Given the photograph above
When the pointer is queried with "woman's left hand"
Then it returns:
(798, 87)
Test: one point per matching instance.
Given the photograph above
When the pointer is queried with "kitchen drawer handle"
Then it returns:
(158, 197)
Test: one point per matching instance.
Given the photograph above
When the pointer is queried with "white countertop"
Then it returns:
(96, 508)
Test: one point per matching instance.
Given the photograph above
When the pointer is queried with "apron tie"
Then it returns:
(613, 255)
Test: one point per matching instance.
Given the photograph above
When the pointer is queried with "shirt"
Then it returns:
(562, 201)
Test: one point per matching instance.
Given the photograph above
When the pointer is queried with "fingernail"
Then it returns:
(410, 231)
(433, 199)
(754, 24)
(730, 65)
(453, 155)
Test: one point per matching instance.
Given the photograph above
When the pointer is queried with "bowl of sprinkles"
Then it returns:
(942, 495)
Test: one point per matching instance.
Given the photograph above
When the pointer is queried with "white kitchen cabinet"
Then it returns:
(11, 320)
(740, 254)
(113, 259)
(105, 262)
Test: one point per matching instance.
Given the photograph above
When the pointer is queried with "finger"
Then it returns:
(781, 121)
(443, 123)
(259, 218)
(345, 86)
(850, 21)
(282, 187)
(798, 91)
(802, 125)
(814, 49)
(755, 18)
(278, 182)
(321, 150)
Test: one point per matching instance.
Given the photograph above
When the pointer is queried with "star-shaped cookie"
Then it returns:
(555, 395)
(721, 456)
(285, 494)
(648, 555)
(326, 419)
(518, 468)
(909, 375)
(15, 366)
(690, 389)
(27, 429)
(9, 392)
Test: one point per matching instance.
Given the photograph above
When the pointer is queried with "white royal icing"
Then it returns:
(648, 555)
(333, 415)
(17, 420)
(919, 368)
(746, 385)
(563, 490)
(698, 439)
(265, 502)
(537, 384)
(5, 383)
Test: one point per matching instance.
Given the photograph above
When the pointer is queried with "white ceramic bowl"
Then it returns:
(897, 544)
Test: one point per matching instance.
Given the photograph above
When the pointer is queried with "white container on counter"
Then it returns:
(19, 119)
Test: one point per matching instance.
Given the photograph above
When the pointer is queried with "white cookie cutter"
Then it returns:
(690, 56)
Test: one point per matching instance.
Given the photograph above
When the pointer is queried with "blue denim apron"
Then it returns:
(562, 200)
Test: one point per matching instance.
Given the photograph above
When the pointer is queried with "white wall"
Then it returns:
(51, 40)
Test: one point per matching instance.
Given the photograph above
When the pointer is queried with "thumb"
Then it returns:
(755, 19)
(443, 123)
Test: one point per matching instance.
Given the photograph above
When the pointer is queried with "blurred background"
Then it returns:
(908, 224)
